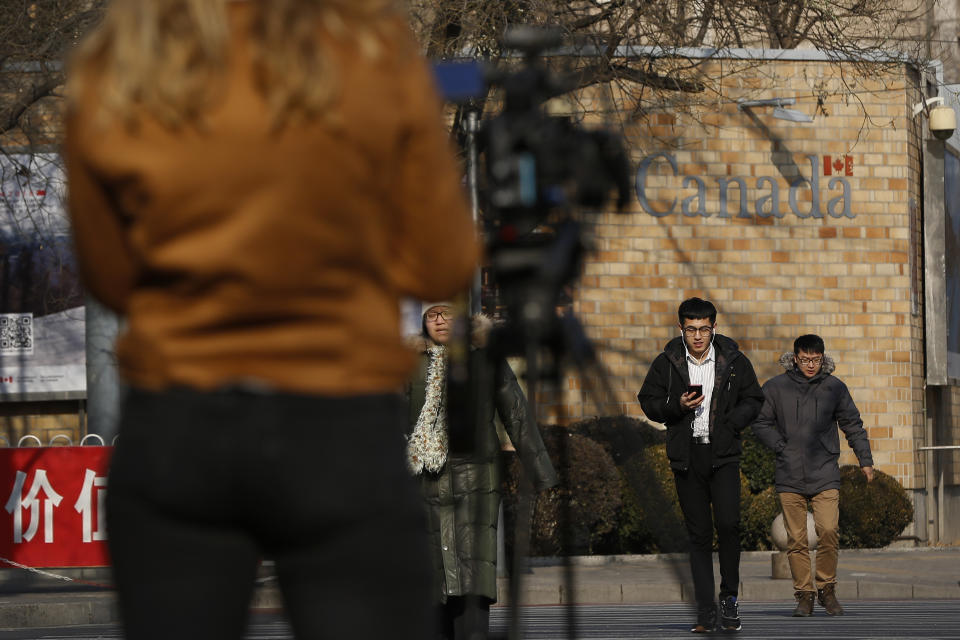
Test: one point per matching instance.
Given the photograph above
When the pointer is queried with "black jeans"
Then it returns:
(202, 485)
(698, 488)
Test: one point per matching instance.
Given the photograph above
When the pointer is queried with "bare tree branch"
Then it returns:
(596, 74)
(12, 109)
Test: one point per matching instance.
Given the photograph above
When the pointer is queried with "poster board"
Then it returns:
(42, 318)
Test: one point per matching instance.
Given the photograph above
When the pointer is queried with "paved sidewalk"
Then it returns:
(29, 600)
(892, 574)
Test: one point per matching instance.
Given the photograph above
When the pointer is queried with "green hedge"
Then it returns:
(576, 517)
(621, 498)
(757, 513)
(653, 522)
(757, 462)
(872, 514)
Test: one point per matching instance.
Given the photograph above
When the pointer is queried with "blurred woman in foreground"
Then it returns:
(254, 186)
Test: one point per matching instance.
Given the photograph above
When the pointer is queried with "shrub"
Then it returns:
(630, 534)
(649, 517)
(621, 493)
(622, 437)
(757, 462)
(757, 513)
(872, 514)
(653, 520)
(579, 514)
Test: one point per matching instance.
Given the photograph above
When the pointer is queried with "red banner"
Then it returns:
(53, 500)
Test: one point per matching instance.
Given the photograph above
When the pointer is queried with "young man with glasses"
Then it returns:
(801, 412)
(705, 390)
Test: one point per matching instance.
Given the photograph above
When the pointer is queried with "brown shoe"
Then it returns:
(804, 604)
(828, 600)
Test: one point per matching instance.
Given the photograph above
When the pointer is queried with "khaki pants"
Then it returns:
(826, 513)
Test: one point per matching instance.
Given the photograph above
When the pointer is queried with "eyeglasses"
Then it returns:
(432, 316)
(813, 361)
(692, 331)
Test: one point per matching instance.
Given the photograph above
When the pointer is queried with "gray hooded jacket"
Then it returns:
(799, 421)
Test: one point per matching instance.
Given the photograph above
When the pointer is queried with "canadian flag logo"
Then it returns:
(6, 379)
(841, 165)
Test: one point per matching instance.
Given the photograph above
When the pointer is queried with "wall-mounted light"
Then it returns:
(792, 115)
(943, 120)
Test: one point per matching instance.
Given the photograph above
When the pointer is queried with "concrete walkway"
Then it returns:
(892, 574)
(31, 600)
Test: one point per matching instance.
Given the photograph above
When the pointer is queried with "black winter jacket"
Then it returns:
(799, 421)
(736, 400)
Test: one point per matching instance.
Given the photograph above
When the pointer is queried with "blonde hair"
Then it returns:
(167, 56)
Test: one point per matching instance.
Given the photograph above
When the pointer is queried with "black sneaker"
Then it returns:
(729, 614)
(706, 620)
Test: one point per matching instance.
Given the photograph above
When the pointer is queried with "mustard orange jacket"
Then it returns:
(238, 253)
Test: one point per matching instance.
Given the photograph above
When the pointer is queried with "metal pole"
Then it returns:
(472, 127)
(929, 504)
(103, 386)
(940, 518)
(82, 417)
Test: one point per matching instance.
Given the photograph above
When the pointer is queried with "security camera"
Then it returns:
(943, 122)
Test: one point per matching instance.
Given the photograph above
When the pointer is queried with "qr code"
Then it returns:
(16, 334)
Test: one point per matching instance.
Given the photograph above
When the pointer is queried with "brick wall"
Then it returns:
(857, 281)
(852, 277)
(45, 420)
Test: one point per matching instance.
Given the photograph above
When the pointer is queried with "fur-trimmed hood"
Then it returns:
(480, 328)
(828, 367)
(801, 421)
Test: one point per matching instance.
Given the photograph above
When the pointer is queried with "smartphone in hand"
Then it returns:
(695, 389)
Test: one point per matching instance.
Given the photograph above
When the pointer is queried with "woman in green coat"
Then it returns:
(462, 490)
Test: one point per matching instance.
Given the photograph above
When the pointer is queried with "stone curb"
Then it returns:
(100, 608)
(67, 608)
(751, 590)
(598, 561)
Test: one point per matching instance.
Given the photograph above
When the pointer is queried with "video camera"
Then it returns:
(540, 171)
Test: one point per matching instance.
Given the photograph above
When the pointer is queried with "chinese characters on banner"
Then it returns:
(53, 506)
